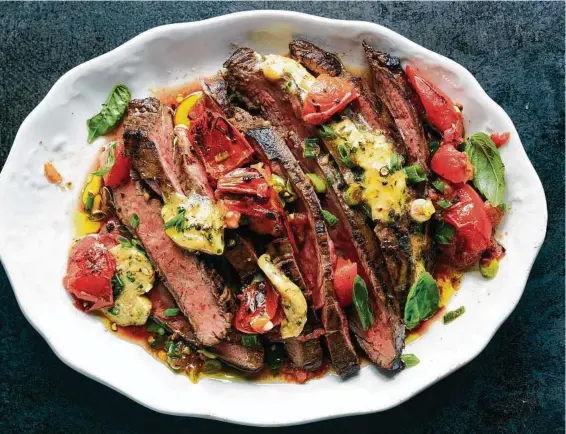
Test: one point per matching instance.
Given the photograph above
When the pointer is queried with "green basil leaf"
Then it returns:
(453, 314)
(329, 218)
(110, 114)
(410, 360)
(489, 171)
(444, 233)
(134, 221)
(422, 302)
(360, 298)
(110, 161)
(415, 174)
(172, 311)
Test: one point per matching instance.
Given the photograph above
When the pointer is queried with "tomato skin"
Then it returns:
(452, 164)
(344, 276)
(473, 228)
(499, 139)
(90, 270)
(258, 301)
(327, 96)
(439, 108)
(120, 172)
(219, 145)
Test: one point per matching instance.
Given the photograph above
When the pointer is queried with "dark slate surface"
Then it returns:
(516, 51)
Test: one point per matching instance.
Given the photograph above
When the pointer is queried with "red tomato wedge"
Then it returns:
(473, 228)
(500, 138)
(90, 270)
(258, 312)
(344, 276)
(120, 171)
(439, 108)
(219, 145)
(327, 96)
(452, 164)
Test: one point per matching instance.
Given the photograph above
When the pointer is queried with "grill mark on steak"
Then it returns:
(281, 110)
(194, 286)
(231, 351)
(393, 88)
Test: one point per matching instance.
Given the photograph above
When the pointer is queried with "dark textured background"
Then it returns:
(515, 50)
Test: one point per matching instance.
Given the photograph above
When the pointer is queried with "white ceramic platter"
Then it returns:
(36, 228)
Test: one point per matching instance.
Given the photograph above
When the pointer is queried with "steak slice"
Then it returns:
(231, 351)
(194, 286)
(315, 256)
(393, 88)
(241, 255)
(244, 73)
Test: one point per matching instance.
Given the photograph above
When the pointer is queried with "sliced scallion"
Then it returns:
(329, 218)
(415, 174)
(453, 314)
(317, 182)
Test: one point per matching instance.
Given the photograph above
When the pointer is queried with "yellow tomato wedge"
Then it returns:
(185, 107)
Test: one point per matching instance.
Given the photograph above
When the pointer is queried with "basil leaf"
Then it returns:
(110, 161)
(110, 114)
(489, 171)
(172, 311)
(360, 298)
(453, 314)
(422, 302)
(444, 233)
(329, 218)
(134, 221)
(415, 174)
(410, 360)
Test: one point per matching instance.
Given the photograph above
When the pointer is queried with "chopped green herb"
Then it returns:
(134, 221)
(207, 354)
(110, 161)
(329, 218)
(395, 162)
(439, 185)
(178, 222)
(422, 302)
(360, 298)
(453, 314)
(110, 114)
(311, 148)
(172, 311)
(89, 202)
(153, 327)
(415, 174)
(433, 147)
(249, 341)
(317, 182)
(354, 194)
(326, 132)
(124, 242)
(444, 204)
(409, 360)
(345, 155)
(329, 180)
